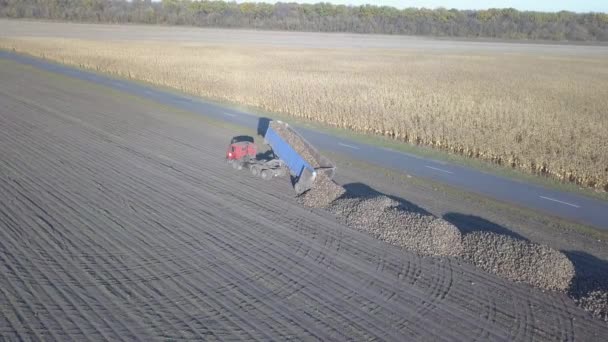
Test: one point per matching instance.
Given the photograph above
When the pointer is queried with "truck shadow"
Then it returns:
(471, 223)
(465, 223)
(354, 190)
(263, 124)
(266, 155)
(591, 274)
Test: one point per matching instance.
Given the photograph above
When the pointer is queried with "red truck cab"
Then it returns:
(240, 150)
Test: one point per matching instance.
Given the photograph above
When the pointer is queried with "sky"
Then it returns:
(523, 5)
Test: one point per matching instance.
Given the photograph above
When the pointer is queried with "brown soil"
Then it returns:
(121, 221)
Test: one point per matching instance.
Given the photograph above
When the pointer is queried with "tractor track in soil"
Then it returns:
(120, 220)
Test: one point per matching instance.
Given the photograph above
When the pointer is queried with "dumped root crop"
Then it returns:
(323, 193)
(519, 260)
(295, 142)
(595, 302)
(386, 220)
(389, 221)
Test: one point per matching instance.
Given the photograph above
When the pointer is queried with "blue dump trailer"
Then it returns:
(290, 153)
(303, 171)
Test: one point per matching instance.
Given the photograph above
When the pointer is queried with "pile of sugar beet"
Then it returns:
(390, 221)
(508, 257)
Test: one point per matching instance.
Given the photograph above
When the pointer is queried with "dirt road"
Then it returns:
(119, 219)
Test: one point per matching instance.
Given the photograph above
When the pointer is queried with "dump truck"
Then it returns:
(289, 154)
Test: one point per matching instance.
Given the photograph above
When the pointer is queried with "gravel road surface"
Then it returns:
(119, 219)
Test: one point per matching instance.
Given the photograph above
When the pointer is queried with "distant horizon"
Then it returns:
(585, 6)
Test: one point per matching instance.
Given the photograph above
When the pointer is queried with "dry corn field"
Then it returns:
(544, 114)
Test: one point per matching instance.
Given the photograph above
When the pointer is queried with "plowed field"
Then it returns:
(119, 219)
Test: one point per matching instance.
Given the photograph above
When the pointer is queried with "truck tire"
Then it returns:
(255, 171)
(234, 164)
(266, 174)
(239, 166)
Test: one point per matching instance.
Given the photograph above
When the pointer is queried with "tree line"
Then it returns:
(493, 23)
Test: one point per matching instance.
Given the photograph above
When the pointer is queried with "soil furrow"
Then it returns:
(119, 219)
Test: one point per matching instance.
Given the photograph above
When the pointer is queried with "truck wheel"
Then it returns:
(235, 164)
(255, 171)
(239, 166)
(266, 174)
